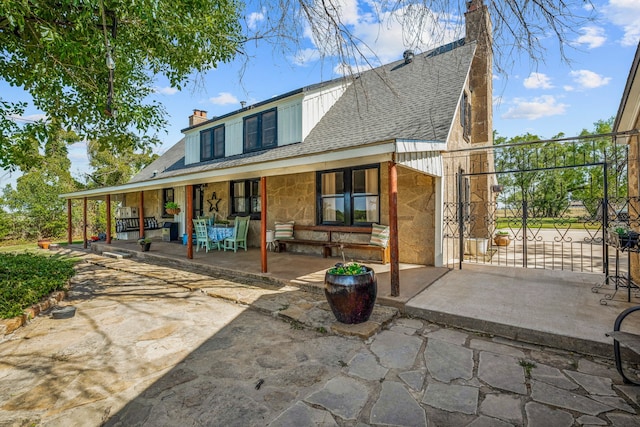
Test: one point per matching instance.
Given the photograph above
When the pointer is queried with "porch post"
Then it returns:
(84, 223)
(141, 214)
(263, 222)
(393, 228)
(108, 219)
(188, 217)
(69, 223)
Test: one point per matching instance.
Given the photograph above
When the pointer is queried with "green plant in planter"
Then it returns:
(144, 240)
(171, 205)
(622, 231)
(349, 269)
(351, 290)
(502, 233)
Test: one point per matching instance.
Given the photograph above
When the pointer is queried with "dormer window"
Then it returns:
(212, 143)
(261, 131)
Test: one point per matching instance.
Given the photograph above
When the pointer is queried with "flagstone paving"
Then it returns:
(153, 346)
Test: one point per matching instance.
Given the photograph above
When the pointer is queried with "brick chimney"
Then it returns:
(198, 116)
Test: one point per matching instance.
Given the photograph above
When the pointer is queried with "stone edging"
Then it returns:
(8, 326)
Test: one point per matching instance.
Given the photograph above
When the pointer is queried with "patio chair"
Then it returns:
(202, 237)
(239, 237)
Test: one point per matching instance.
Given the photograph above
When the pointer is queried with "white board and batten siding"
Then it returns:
(297, 115)
(317, 103)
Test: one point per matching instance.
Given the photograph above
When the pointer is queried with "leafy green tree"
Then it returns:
(110, 168)
(540, 176)
(34, 203)
(89, 65)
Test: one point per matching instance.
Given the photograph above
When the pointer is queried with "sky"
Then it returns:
(544, 98)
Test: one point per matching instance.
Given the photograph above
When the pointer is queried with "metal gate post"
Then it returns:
(460, 221)
(524, 232)
(605, 223)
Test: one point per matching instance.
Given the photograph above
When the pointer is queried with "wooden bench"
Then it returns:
(628, 340)
(327, 241)
(129, 228)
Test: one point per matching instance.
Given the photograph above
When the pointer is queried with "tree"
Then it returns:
(90, 65)
(110, 169)
(34, 203)
(550, 174)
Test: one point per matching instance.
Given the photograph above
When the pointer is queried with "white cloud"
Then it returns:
(626, 15)
(543, 106)
(382, 37)
(254, 18)
(30, 118)
(224, 98)
(568, 88)
(537, 81)
(305, 56)
(593, 37)
(167, 90)
(588, 79)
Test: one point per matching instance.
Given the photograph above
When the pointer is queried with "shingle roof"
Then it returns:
(398, 101)
(415, 101)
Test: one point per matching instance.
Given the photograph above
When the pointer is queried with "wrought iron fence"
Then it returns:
(552, 199)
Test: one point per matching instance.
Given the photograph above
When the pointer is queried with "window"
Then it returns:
(167, 196)
(212, 143)
(245, 196)
(465, 116)
(349, 196)
(260, 131)
(198, 201)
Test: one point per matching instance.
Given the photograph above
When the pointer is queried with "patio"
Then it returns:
(305, 271)
(546, 307)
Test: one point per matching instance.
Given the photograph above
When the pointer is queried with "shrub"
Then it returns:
(27, 278)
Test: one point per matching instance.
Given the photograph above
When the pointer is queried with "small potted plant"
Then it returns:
(172, 208)
(145, 243)
(44, 243)
(626, 238)
(501, 238)
(351, 290)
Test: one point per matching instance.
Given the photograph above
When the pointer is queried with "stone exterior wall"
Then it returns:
(293, 198)
(152, 202)
(416, 217)
(289, 198)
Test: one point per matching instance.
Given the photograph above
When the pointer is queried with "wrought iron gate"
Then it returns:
(553, 200)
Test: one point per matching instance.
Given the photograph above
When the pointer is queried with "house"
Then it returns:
(626, 127)
(346, 153)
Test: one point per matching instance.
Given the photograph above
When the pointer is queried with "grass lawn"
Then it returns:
(28, 277)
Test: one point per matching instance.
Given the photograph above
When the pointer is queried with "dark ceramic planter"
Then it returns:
(351, 298)
(145, 247)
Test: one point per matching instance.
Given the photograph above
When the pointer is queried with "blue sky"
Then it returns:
(544, 98)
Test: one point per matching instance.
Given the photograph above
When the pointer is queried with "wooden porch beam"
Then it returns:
(393, 228)
(188, 217)
(263, 223)
(108, 201)
(141, 214)
(69, 223)
(84, 223)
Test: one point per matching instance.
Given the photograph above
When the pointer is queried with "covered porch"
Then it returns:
(301, 270)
